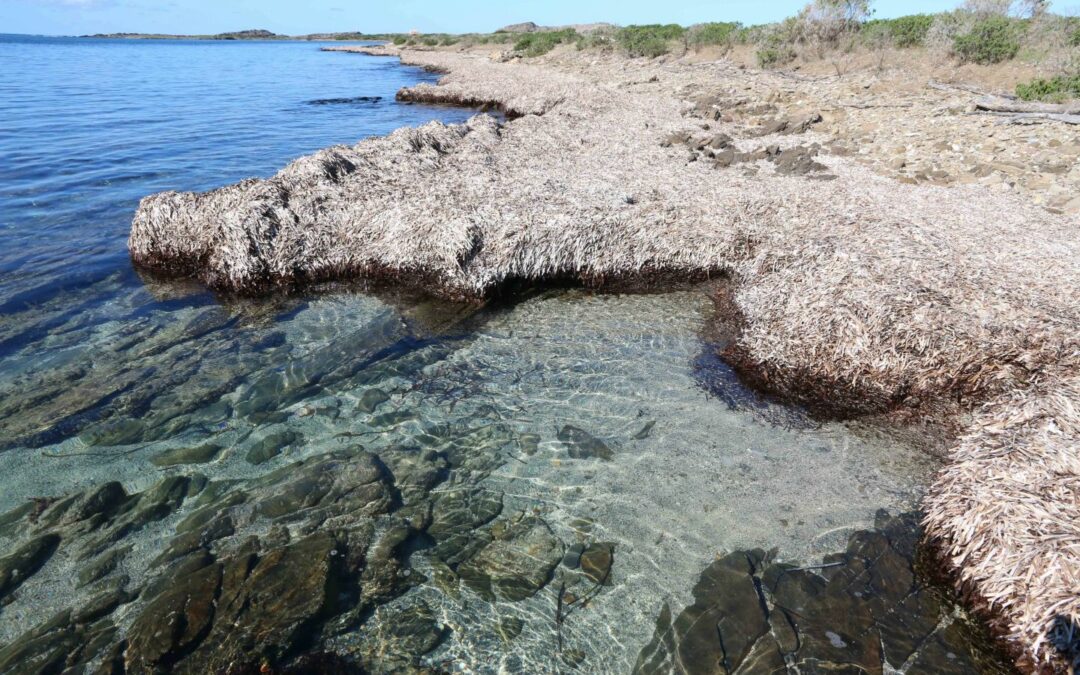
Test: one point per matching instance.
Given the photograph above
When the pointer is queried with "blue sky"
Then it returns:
(53, 17)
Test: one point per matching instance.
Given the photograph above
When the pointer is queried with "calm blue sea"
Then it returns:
(89, 126)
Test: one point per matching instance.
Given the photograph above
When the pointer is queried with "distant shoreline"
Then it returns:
(246, 35)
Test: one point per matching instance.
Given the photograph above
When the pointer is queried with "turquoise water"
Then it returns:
(344, 479)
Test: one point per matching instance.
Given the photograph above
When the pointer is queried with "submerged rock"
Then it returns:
(645, 431)
(267, 602)
(400, 637)
(517, 562)
(351, 100)
(455, 519)
(529, 443)
(16, 568)
(102, 566)
(174, 622)
(864, 610)
(263, 600)
(117, 432)
(596, 561)
(200, 454)
(372, 399)
(272, 446)
(580, 444)
(509, 628)
(15, 519)
(66, 642)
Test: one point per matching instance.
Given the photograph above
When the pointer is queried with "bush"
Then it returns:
(721, 34)
(651, 41)
(748, 36)
(1055, 89)
(876, 34)
(992, 40)
(400, 39)
(909, 31)
(825, 24)
(772, 57)
(603, 42)
(1074, 37)
(536, 44)
(776, 42)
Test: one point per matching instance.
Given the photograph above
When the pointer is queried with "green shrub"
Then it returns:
(876, 34)
(746, 36)
(1074, 37)
(651, 41)
(1055, 89)
(536, 44)
(596, 40)
(909, 31)
(449, 41)
(991, 40)
(400, 39)
(776, 42)
(429, 42)
(712, 34)
(772, 57)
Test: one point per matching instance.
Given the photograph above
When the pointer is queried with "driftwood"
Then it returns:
(971, 89)
(1011, 106)
(1019, 110)
(1021, 118)
(868, 106)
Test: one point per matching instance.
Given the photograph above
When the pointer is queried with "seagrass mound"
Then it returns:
(852, 289)
(1005, 514)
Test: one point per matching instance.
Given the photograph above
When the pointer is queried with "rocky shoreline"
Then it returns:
(855, 291)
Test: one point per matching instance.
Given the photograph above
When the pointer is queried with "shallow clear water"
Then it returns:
(506, 439)
(499, 387)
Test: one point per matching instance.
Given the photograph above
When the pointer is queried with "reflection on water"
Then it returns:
(522, 488)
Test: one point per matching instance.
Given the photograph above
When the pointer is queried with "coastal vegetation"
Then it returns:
(1055, 89)
(981, 32)
(535, 44)
(650, 41)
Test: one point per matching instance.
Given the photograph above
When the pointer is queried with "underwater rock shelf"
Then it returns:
(859, 609)
(281, 601)
(852, 292)
(392, 501)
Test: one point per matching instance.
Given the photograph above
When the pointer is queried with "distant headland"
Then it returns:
(253, 34)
